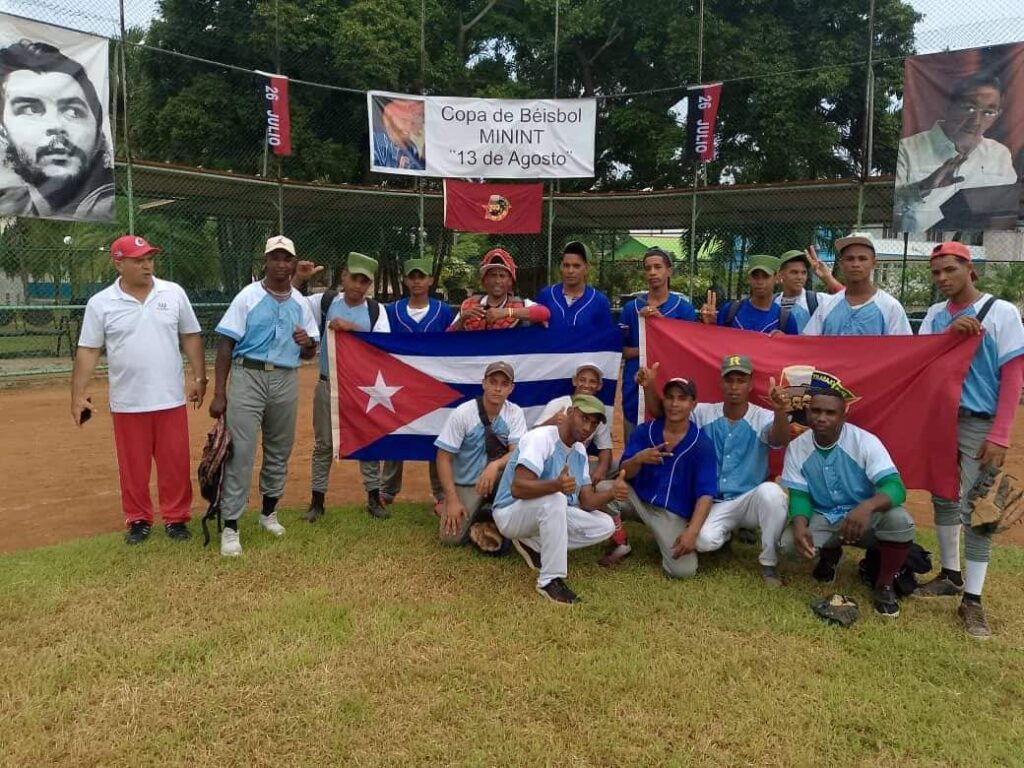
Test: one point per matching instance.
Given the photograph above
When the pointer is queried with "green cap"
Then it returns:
(766, 264)
(426, 266)
(740, 363)
(361, 264)
(589, 404)
(793, 255)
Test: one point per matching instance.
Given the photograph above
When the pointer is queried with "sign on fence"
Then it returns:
(963, 127)
(56, 149)
(481, 138)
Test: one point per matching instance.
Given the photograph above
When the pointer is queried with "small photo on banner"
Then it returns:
(397, 133)
(961, 153)
(701, 114)
(493, 208)
(56, 148)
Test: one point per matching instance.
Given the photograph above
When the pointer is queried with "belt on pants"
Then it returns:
(974, 414)
(262, 365)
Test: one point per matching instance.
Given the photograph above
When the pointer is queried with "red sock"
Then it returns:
(619, 536)
(892, 555)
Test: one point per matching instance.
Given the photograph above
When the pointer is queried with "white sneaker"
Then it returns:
(230, 545)
(269, 523)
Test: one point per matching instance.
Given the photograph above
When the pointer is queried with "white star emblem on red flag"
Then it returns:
(380, 394)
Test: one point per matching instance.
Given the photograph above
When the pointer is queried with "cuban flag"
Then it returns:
(392, 393)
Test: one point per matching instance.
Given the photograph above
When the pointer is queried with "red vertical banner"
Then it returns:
(279, 121)
(701, 114)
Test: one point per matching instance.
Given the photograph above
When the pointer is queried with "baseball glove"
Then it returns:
(837, 609)
(486, 537)
(997, 503)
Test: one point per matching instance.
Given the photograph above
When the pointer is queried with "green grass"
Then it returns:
(358, 642)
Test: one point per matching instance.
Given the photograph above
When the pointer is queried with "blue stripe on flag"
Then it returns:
(493, 344)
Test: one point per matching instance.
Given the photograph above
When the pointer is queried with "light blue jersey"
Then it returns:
(262, 326)
(463, 437)
(881, 315)
(840, 478)
(359, 315)
(741, 447)
(542, 452)
(1002, 341)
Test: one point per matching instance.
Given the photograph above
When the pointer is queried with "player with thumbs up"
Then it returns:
(546, 502)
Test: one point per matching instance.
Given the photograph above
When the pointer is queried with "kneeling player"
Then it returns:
(844, 489)
(546, 503)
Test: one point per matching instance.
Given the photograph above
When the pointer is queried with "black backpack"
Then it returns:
(327, 298)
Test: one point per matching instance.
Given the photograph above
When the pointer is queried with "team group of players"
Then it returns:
(695, 474)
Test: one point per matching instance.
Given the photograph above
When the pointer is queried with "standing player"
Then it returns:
(498, 308)
(988, 404)
(758, 312)
(658, 301)
(419, 313)
(347, 310)
(546, 502)
(264, 333)
(861, 309)
(794, 270)
(844, 489)
(743, 435)
(141, 319)
(573, 302)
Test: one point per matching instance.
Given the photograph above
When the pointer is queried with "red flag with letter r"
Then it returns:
(493, 208)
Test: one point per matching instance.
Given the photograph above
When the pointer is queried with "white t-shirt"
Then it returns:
(881, 315)
(142, 342)
(602, 437)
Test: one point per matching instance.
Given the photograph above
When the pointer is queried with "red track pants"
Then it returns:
(140, 438)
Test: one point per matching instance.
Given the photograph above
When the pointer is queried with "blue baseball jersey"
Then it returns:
(542, 452)
(436, 319)
(262, 326)
(688, 475)
(1002, 341)
(388, 154)
(841, 477)
(750, 318)
(463, 437)
(675, 307)
(589, 310)
(741, 447)
(881, 315)
(359, 315)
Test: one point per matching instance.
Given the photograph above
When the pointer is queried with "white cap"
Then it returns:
(588, 366)
(279, 243)
(855, 238)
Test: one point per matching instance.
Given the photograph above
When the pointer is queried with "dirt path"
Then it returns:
(60, 482)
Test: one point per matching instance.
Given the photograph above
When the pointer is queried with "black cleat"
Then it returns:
(374, 506)
(138, 532)
(557, 591)
(530, 555)
(177, 531)
(885, 602)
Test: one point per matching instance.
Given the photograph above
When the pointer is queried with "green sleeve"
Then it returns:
(800, 504)
(892, 486)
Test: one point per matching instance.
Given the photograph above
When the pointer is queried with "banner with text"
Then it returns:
(279, 121)
(481, 138)
(702, 112)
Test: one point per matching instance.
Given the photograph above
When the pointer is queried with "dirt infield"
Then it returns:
(61, 481)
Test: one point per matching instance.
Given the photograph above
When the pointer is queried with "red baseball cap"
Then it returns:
(951, 248)
(131, 247)
(498, 257)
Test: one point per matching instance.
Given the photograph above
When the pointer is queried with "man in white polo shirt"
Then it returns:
(141, 320)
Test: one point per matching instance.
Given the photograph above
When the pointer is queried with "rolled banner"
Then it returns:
(279, 121)
(701, 113)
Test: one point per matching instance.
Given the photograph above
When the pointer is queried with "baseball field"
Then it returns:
(362, 642)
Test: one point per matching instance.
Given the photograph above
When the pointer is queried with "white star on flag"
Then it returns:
(380, 394)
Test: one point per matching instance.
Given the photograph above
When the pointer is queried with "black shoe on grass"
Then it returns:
(530, 555)
(885, 602)
(557, 591)
(177, 532)
(138, 532)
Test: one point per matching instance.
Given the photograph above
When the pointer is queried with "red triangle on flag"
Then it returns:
(379, 395)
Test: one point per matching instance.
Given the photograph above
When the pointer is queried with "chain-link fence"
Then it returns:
(194, 175)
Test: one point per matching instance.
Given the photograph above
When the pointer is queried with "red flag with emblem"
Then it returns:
(908, 387)
(493, 208)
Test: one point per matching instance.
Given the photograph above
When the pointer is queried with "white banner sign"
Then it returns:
(56, 151)
(481, 138)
